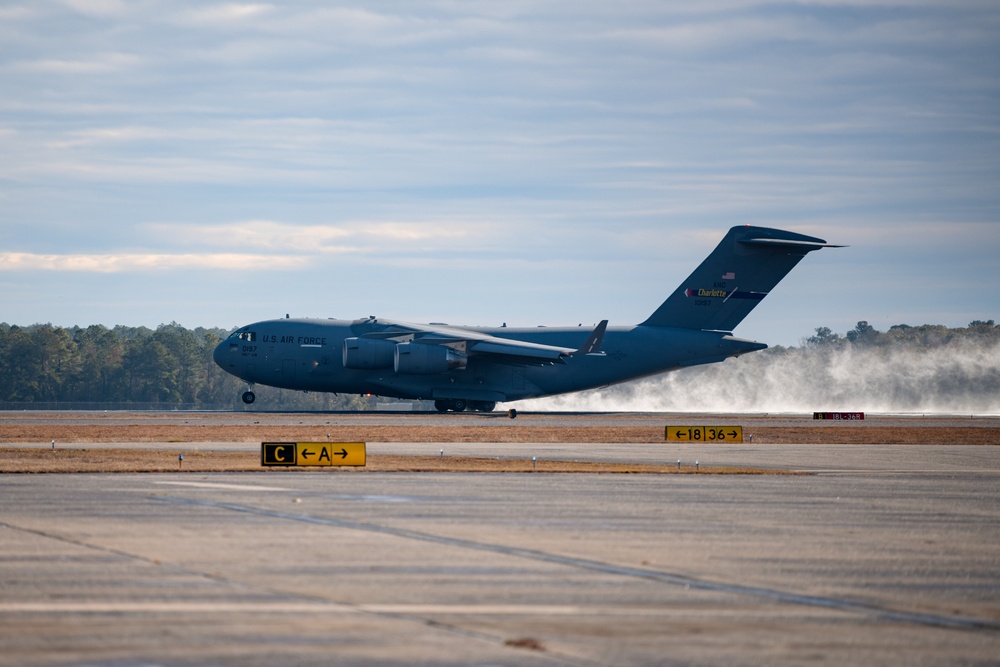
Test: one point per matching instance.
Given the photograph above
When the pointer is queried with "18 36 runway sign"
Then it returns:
(704, 433)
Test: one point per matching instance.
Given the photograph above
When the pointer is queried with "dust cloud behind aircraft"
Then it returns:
(960, 378)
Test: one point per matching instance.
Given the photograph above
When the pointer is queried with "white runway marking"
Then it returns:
(118, 607)
(233, 487)
(320, 607)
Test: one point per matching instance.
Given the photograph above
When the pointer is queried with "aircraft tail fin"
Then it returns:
(732, 280)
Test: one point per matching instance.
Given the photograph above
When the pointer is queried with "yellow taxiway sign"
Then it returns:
(704, 433)
(312, 454)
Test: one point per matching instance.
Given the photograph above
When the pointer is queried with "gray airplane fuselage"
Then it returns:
(307, 354)
(475, 367)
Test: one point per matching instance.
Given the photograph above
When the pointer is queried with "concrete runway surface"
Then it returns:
(887, 555)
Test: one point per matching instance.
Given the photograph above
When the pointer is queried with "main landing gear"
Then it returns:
(461, 405)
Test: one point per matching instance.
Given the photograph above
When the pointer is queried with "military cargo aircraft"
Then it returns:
(474, 368)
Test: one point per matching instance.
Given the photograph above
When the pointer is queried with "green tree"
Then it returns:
(824, 336)
(863, 333)
(152, 372)
(100, 373)
(36, 363)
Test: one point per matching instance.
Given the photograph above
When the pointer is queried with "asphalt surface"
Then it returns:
(885, 555)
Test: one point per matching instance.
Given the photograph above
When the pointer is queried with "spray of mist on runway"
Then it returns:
(962, 377)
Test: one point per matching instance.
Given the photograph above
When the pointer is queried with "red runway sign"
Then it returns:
(840, 416)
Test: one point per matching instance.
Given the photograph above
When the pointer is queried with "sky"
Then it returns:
(534, 163)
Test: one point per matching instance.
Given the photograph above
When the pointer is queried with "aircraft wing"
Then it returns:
(472, 342)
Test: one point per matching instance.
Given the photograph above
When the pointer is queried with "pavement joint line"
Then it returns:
(308, 602)
(875, 611)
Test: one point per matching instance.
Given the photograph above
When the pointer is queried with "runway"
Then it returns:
(882, 555)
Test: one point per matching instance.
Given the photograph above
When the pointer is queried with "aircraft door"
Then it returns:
(288, 369)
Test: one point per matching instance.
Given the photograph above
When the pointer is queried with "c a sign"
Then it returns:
(312, 454)
(277, 453)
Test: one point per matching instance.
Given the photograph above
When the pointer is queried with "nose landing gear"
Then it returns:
(249, 397)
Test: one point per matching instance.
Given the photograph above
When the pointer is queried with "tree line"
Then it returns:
(926, 336)
(171, 367)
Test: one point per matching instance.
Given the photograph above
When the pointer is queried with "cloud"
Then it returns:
(104, 63)
(120, 263)
(553, 145)
(275, 236)
(356, 237)
(272, 246)
(100, 8)
(228, 16)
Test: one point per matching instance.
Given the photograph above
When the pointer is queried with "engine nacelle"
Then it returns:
(419, 359)
(368, 353)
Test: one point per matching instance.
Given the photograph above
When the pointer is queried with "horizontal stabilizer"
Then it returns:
(789, 243)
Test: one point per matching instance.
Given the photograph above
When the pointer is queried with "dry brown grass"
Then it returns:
(505, 432)
(193, 434)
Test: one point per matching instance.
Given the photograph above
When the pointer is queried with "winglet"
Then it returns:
(593, 343)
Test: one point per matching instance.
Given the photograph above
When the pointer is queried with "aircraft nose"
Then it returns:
(219, 354)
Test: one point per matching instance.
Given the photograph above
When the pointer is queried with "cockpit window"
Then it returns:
(245, 336)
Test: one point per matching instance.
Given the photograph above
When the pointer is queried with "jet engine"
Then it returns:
(368, 353)
(419, 359)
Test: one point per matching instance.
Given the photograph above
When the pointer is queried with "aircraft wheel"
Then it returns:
(249, 397)
(483, 406)
(441, 406)
(459, 405)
